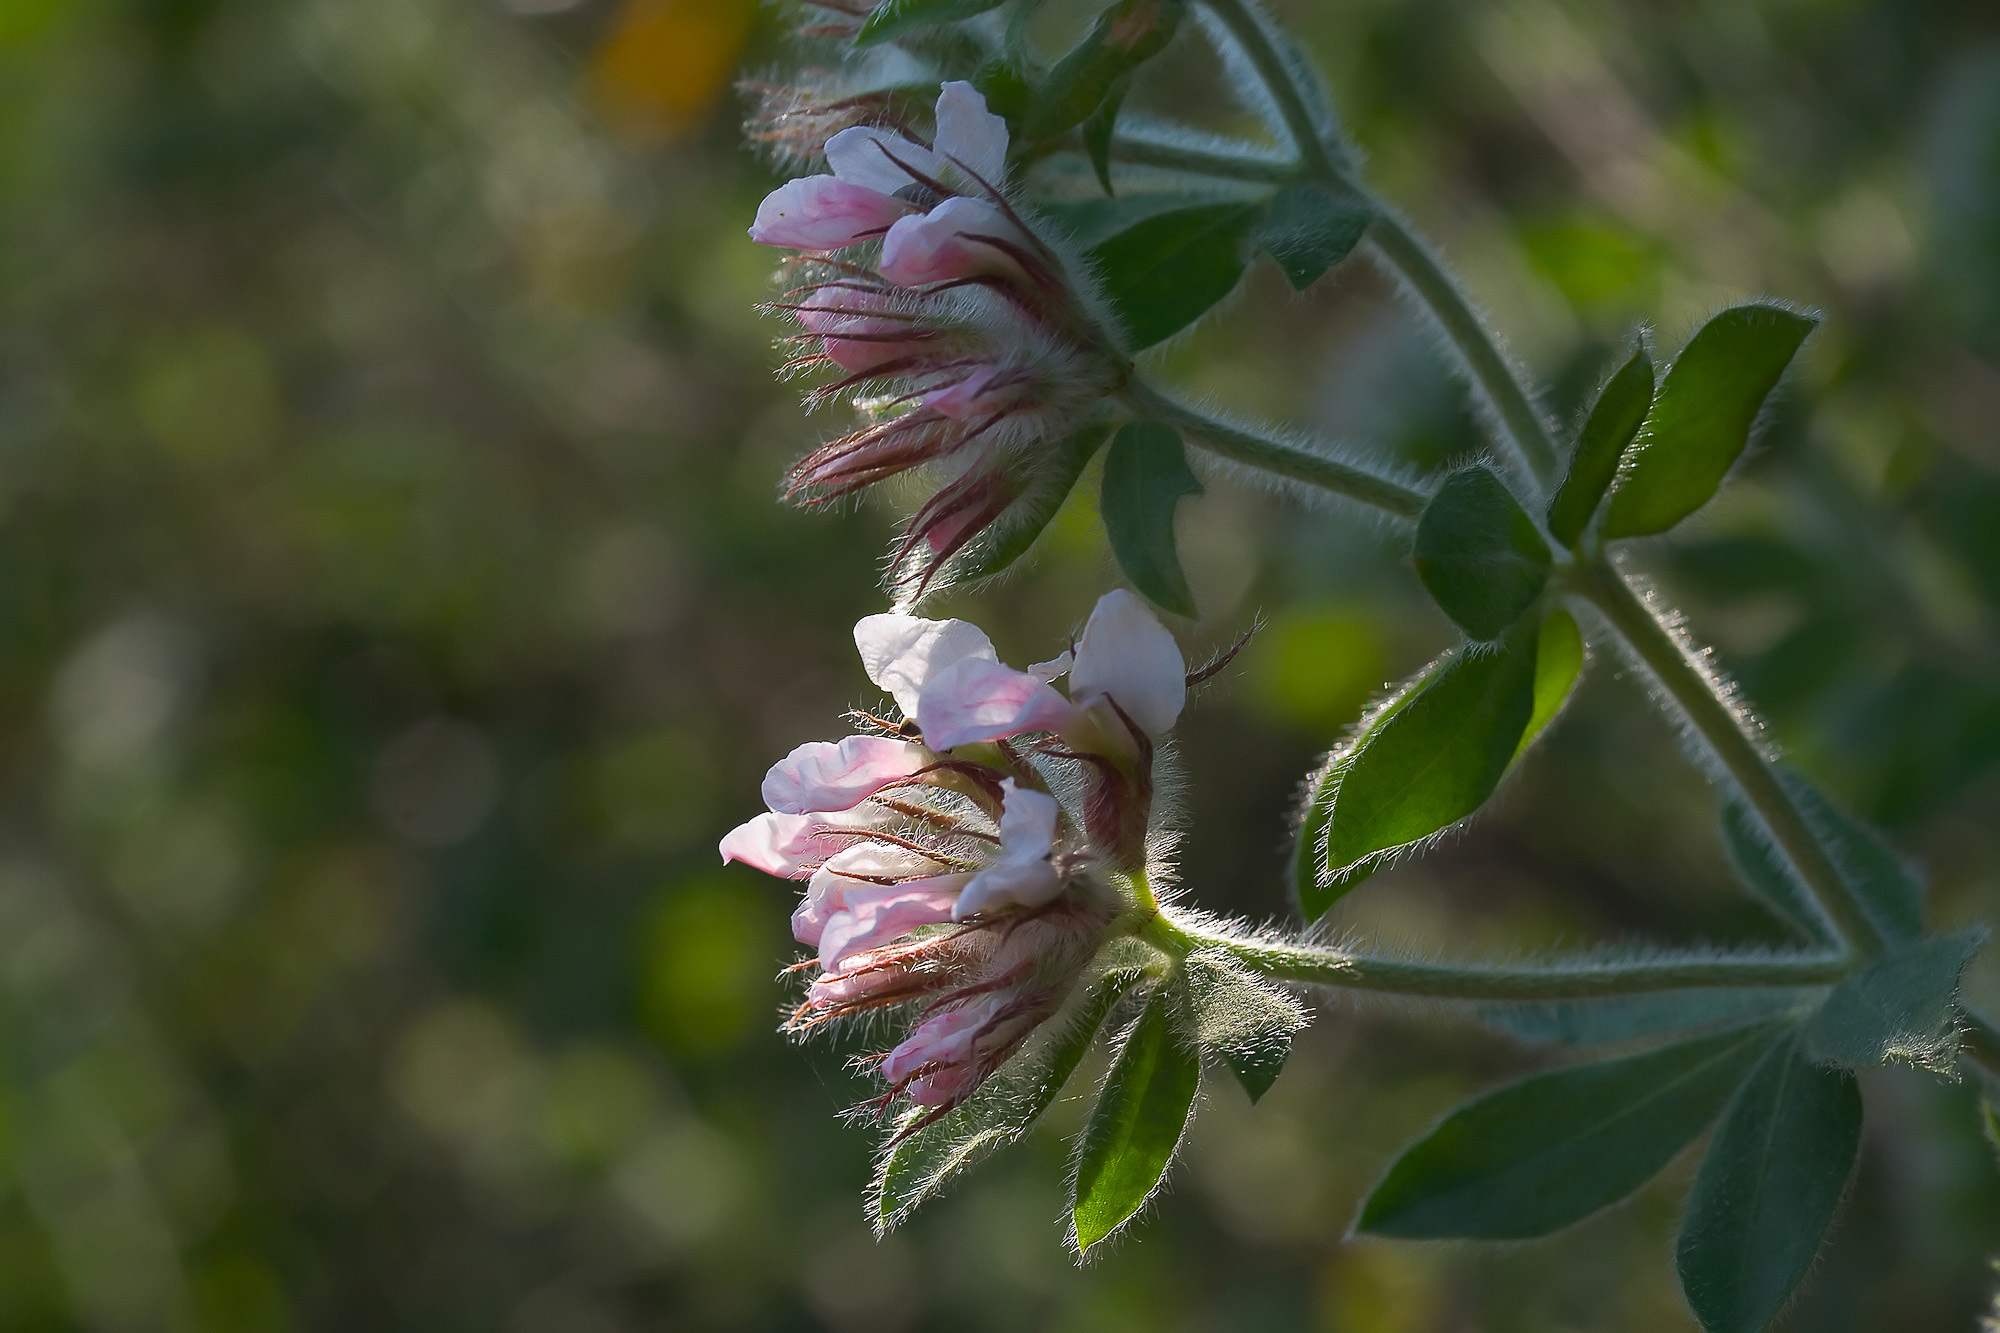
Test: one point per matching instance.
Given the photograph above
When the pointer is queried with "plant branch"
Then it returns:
(1724, 732)
(1269, 455)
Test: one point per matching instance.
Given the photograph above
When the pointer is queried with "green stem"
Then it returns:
(1270, 67)
(1253, 450)
(1583, 980)
(1725, 733)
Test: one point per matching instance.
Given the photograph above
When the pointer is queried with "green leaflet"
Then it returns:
(1768, 1189)
(1701, 418)
(1615, 1018)
(1620, 410)
(893, 18)
(1097, 132)
(1031, 515)
(1310, 229)
(1898, 1007)
(1145, 1106)
(1537, 1155)
(1558, 662)
(1124, 37)
(1769, 877)
(1890, 892)
(1093, 220)
(1247, 1021)
(1164, 272)
(1436, 758)
(1145, 475)
(1006, 1107)
(1478, 553)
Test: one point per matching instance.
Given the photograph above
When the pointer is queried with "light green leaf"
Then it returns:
(1537, 1155)
(1478, 553)
(1898, 1007)
(1701, 419)
(1244, 1019)
(1310, 229)
(1768, 1189)
(1620, 410)
(1769, 877)
(917, 1167)
(1164, 272)
(1888, 889)
(1558, 662)
(1615, 1018)
(1145, 475)
(1125, 36)
(1029, 516)
(893, 18)
(1147, 1101)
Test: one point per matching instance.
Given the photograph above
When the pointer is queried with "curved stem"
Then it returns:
(1583, 980)
(1258, 451)
(1722, 730)
(1278, 82)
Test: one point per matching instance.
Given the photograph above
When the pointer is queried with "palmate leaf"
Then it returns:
(1164, 272)
(1613, 421)
(1768, 1188)
(1146, 476)
(915, 1168)
(1478, 554)
(1898, 1007)
(1245, 1020)
(1537, 1155)
(1145, 1106)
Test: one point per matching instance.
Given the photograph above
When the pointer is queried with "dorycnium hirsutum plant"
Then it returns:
(985, 870)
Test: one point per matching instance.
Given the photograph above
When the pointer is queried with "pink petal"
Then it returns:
(869, 157)
(855, 342)
(947, 1039)
(871, 915)
(823, 213)
(977, 700)
(1021, 876)
(934, 246)
(977, 394)
(1127, 654)
(821, 775)
(901, 652)
(790, 846)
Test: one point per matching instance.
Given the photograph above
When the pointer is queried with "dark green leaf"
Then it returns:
(1247, 1021)
(1890, 892)
(1161, 274)
(1615, 1018)
(893, 18)
(1898, 1007)
(1096, 218)
(1031, 514)
(1310, 229)
(917, 1167)
(1701, 418)
(1006, 89)
(1146, 1104)
(1478, 553)
(1125, 36)
(1616, 418)
(1437, 757)
(1552, 1149)
(1767, 875)
(1097, 132)
(1145, 475)
(1989, 1125)
(1558, 662)
(1767, 1189)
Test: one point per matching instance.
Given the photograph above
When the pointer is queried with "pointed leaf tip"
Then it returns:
(1146, 475)
(1136, 1127)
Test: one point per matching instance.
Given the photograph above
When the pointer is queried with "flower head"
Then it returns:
(967, 856)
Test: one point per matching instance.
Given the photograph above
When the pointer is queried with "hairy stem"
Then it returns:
(1723, 731)
(1268, 455)
(1355, 971)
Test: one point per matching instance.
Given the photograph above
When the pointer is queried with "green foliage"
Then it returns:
(1145, 1105)
(1125, 36)
(1889, 890)
(1311, 228)
(1145, 477)
(1701, 419)
(916, 1167)
(1769, 878)
(1247, 1021)
(1767, 1190)
(1537, 1155)
(1606, 1019)
(1478, 553)
(1164, 272)
(1614, 420)
(1558, 663)
(1097, 132)
(893, 18)
(1031, 515)
(1425, 760)
(1898, 1007)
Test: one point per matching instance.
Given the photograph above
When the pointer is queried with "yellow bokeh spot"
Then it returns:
(665, 63)
(707, 980)
(1316, 668)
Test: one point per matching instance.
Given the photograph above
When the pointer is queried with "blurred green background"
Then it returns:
(394, 609)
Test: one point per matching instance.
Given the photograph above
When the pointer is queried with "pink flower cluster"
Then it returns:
(941, 868)
(916, 274)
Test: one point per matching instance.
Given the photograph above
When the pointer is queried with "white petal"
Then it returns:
(976, 700)
(1052, 668)
(1128, 654)
(901, 652)
(1021, 876)
(1027, 822)
(863, 155)
(967, 131)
